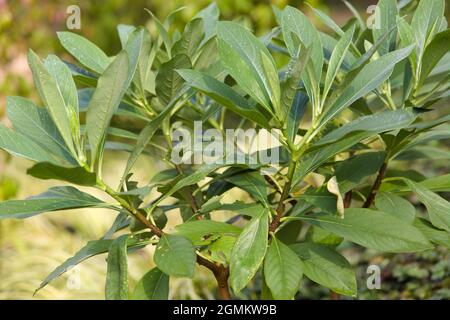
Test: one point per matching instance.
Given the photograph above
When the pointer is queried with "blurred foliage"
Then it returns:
(32, 24)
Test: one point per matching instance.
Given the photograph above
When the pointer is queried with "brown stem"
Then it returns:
(348, 199)
(376, 186)
(221, 274)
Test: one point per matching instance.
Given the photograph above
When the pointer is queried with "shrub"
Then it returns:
(341, 109)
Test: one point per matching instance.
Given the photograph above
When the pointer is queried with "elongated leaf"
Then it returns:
(252, 182)
(77, 175)
(326, 267)
(327, 20)
(290, 86)
(144, 64)
(154, 285)
(194, 178)
(133, 48)
(221, 248)
(20, 145)
(224, 95)
(175, 256)
(434, 52)
(438, 208)
(197, 230)
(54, 199)
(190, 40)
(369, 78)
(249, 62)
(317, 157)
(124, 31)
(336, 60)
(395, 205)
(387, 19)
(66, 85)
(435, 235)
(296, 114)
(111, 87)
(51, 95)
(116, 287)
(92, 248)
(282, 270)
(351, 172)
(294, 21)
(36, 124)
(210, 16)
(249, 251)
(372, 229)
(87, 53)
(168, 81)
(427, 14)
(374, 123)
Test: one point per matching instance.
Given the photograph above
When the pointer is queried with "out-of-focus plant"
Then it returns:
(344, 107)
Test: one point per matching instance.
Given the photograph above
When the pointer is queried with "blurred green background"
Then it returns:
(30, 249)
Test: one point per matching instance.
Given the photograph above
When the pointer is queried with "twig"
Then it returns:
(376, 186)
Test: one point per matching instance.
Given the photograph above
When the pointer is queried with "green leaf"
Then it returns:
(395, 205)
(197, 230)
(252, 182)
(87, 53)
(190, 40)
(221, 248)
(210, 16)
(435, 235)
(52, 96)
(111, 87)
(168, 81)
(144, 63)
(175, 256)
(36, 124)
(427, 14)
(224, 95)
(295, 22)
(282, 270)
(375, 123)
(351, 172)
(387, 19)
(290, 86)
(372, 229)
(321, 198)
(116, 287)
(154, 285)
(54, 199)
(434, 52)
(133, 48)
(249, 251)
(316, 157)
(20, 145)
(92, 248)
(77, 175)
(438, 208)
(326, 267)
(64, 80)
(124, 31)
(194, 178)
(323, 237)
(296, 112)
(336, 60)
(249, 62)
(327, 20)
(369, 78)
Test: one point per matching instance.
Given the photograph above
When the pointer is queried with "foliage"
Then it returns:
(345, 107)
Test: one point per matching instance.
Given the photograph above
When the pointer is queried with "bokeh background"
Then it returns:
(32, 248)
